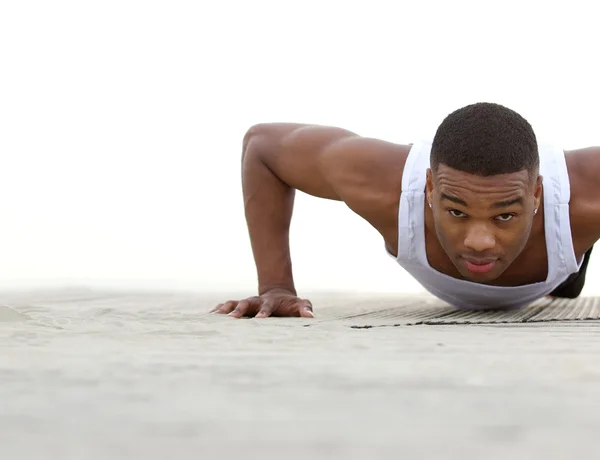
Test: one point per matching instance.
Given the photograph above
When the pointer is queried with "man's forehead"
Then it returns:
(449, 177)
(489, 200)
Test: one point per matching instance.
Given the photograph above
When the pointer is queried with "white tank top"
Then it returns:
(467, 294)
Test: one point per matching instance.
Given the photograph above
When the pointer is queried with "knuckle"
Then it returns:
(242, 306)
(265, 311)
(268, 306)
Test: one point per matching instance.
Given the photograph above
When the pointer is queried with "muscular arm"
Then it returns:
(326, 162)
(584, 171)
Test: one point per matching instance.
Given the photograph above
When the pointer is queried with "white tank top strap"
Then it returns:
(557, 222)
(412, 201)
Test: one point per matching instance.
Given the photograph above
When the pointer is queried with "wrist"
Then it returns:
(277, 288)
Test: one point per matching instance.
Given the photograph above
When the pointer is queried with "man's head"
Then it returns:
(484, 188)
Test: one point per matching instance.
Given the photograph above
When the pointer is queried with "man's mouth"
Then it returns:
(479, 265)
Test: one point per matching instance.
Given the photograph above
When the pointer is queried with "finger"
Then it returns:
(242, 309)
(306, 310)
(266, 310)
(226, 307)
(216, 309)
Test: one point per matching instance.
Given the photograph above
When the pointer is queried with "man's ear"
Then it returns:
(537, 193)
(429, 186)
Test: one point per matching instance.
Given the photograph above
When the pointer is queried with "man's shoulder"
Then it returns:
(369, 150)
(367, 175)
(583, 166)
(365, 168)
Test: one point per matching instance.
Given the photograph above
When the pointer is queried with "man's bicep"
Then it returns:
(295, 153)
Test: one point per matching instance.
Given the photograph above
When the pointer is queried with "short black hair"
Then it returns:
(485, 139)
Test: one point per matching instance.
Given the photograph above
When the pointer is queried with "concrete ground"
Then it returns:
(88, 375)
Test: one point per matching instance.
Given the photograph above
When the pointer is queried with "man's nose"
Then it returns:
(480, 238)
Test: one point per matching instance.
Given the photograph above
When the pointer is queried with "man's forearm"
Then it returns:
(268, 204)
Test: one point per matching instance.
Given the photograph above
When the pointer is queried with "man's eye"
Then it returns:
(455, 213)
(505, 217)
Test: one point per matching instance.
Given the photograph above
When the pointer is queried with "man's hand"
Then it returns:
(277, 302)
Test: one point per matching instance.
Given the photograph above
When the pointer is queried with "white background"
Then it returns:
(121, 123)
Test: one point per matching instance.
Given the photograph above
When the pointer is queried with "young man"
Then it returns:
(483, 216)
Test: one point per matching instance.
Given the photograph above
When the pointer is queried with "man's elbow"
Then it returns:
(254, 136)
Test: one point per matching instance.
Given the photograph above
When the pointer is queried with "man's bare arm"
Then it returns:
(277, 160)
(584, 170)
(326, 162)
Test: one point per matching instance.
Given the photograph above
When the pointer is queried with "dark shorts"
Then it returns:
(573, 285)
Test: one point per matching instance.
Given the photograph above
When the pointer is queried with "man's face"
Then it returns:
(483, 223)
